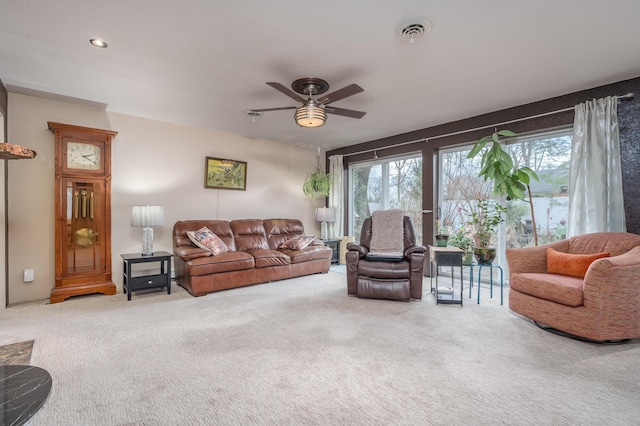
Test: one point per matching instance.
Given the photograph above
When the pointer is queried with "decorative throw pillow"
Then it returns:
(574, 265)
(207, 240)
(297, 242)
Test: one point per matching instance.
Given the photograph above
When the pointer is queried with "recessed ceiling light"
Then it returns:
(99, 43)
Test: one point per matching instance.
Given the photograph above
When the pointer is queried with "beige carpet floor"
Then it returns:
(301, 352)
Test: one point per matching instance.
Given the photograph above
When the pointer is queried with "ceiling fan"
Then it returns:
(313, 112)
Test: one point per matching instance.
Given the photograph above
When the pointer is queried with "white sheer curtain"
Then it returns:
(336, 196)
(595, 180)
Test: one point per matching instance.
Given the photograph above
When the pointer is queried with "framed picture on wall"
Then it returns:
(220, 173)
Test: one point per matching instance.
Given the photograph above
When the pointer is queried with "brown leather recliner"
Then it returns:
(382, 279)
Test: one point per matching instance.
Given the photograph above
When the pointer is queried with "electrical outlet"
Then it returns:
(29, 275)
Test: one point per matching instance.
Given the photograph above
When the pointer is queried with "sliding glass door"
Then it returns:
(390, 183)
(459, 188)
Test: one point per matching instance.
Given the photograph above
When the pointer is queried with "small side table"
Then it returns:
(23, 391)
(491, 267)
(335, 246)
(162, 278)
(446, 256)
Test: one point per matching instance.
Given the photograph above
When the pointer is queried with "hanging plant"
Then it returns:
(317, 184)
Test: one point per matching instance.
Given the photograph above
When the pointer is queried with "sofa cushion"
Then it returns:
(312, 252)
(224, 262)
(574, 265)
(188, 253)
(297, 242)
(561, 289)
(266, 258)
(207, 240)
(280, 230)
(249, 234)
(222, 228)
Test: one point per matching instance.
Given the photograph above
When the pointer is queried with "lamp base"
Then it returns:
(147, 241)
(323, 231)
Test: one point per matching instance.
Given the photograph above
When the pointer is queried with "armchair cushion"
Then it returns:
(573, 265)
(556, 288)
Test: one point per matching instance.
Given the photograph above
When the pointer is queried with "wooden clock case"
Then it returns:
(82, 212)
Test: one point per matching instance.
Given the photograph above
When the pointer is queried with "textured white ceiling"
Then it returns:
(205, 62)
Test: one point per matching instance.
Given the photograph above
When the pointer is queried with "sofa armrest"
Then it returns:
(362, 250)
(611, 284)
(187, 253)
(532, 259)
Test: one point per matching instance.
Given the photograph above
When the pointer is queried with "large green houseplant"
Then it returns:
(509, 180)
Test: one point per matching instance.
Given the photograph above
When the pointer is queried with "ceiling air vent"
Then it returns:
(413, 29)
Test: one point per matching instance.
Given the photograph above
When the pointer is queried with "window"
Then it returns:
(548, 154)
(390, 183)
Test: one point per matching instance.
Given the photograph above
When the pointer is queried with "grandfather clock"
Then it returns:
(82, 211)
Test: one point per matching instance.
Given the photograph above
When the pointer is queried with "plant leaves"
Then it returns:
(506, 133)
(524, 177)
(478, 147)
(530, 172)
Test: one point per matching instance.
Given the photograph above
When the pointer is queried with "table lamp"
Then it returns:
(324, 215)
(146, 217)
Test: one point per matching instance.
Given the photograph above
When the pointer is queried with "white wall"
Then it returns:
(152, 163)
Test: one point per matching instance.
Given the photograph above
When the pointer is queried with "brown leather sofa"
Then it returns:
(376, 279)
(604, 305)
(252, 255)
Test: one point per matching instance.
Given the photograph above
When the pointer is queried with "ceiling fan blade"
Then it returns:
(345, 112)
(347, 91)
(271, 109)
(282, 89)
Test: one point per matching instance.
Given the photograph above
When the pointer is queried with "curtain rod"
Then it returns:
(620, 97)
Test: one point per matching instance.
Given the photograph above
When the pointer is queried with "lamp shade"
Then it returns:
(310, 115)
(144, 216)
(325, 214)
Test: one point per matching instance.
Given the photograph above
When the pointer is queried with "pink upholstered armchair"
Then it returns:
(602, 306)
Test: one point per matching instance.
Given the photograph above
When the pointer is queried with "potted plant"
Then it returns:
(462, 241)
(317, 184)
(508, 179)
(484, 221)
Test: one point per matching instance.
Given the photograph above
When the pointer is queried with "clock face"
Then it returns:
(84, 156)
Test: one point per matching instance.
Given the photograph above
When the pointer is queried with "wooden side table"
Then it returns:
(133, 281)
(446, 256)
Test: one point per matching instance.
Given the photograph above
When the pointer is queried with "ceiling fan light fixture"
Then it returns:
(310, 115)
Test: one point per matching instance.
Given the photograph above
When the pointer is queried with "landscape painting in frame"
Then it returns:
(221, 173)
